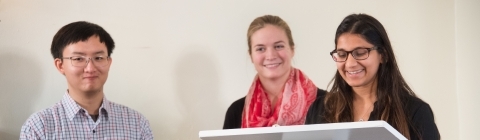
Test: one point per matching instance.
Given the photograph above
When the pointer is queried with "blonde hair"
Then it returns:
(261, 22)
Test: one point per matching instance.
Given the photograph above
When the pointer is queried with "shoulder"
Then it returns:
(321, 93)
(236, 106)
(320, 99)
(47, 115)
(416, 106)
(233, 116)
(422, 119)
(417, 110)
(238, 102)
(125, 112)
(129, 117)
(36, 124)
(37, 120)
(316, 108)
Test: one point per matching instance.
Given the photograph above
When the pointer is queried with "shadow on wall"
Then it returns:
(197, 86)
(20, 84)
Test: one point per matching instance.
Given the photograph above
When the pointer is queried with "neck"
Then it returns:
(274, 87)
(363, 99)
(366, 94)
(91, 101)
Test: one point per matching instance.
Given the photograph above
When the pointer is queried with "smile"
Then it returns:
(272, 65)
(355, 72)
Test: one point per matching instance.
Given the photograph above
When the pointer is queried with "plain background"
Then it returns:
(182, 63)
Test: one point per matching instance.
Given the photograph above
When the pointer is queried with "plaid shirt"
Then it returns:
(67, 120)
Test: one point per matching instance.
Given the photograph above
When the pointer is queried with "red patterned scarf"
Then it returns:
(290, 109)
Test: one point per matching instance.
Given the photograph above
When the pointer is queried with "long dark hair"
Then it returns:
(392, 89)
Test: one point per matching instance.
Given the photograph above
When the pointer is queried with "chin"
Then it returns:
(355, 84)
(272, 77)
(91, 89)
(275, 75)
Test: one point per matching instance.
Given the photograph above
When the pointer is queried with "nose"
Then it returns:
(271, 54)
(350, 61)
(90, 67)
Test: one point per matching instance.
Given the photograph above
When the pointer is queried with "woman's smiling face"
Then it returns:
(358, 73)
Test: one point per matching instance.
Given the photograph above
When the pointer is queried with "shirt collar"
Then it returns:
(72, 108)
(105, 108)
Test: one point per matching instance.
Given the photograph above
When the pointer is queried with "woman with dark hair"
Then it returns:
(368, 84)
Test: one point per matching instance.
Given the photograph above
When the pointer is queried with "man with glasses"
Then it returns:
(81, 52)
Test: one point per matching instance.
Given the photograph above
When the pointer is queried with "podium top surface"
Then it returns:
(368, 130)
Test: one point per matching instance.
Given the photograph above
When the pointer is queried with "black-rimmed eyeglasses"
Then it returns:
(358, 54)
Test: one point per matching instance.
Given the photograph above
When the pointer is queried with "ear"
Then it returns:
(383, 59)
(250, 54)
(383, 55)
(293, 51)
(110, 61)
(59, 65)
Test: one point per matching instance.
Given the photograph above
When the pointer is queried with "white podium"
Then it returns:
(368, 130)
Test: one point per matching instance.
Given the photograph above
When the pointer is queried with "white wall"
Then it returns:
(181, 63)
(467, 41)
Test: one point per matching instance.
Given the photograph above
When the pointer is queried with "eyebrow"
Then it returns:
(259, 45)
(279, 42)
(262, 45)
(96, 53)
(359, 47)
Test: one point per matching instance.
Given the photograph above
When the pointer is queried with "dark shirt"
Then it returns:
(233, 117)
(419, 113)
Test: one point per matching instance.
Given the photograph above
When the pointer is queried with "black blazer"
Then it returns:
(419, 113)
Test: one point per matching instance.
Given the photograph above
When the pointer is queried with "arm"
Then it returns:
(233, 116)
(32, 129)
(314, 112)
(146, 131)
(424, 122)
(313, 116)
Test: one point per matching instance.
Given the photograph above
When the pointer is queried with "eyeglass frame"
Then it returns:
(354, 57)
(87, 60)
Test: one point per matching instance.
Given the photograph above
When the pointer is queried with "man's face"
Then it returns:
(83, 77)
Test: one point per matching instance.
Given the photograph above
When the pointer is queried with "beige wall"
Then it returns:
(467, 44)
(181, 63)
